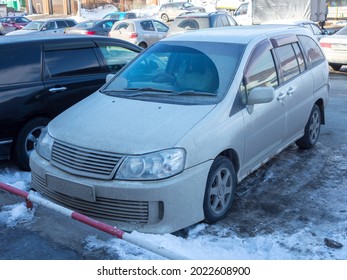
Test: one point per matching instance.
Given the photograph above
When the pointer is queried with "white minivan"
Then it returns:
(163, 144)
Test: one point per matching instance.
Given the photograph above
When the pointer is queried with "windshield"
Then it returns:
(34, 25)
(179, 72)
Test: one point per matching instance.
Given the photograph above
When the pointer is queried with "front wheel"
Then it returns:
(26, 141)
(220, 189)
(312, 129)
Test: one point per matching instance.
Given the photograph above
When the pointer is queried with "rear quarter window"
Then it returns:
(19, 68)
(313, 53)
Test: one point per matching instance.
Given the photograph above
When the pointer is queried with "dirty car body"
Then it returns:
(164, 143)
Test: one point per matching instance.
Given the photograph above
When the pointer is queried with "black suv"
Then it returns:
(195, 21)
(42, 76)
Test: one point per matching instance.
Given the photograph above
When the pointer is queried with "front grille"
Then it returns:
(103, 208)
(84, 162)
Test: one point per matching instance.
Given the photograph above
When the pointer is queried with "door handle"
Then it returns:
(290, 91)
(281, 96)
(57, 89)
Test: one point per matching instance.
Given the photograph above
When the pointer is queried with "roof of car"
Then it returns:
(239, 34)
(200, 15)
(64, 38)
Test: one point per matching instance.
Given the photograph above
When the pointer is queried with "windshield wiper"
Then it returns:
(193, 92)
(146, 90)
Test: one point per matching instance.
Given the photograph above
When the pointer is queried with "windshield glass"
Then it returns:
(179, 72)
(34, 25)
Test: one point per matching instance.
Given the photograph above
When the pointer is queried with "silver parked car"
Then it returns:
(139, 31)
(164, 143)
(335, 48)
(45, 26)
(169, 11)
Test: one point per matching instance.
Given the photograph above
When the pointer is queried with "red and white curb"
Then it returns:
(31, 197)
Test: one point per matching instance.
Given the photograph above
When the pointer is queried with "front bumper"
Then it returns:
(161, 206)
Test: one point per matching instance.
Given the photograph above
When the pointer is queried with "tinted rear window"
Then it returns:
(20, 64)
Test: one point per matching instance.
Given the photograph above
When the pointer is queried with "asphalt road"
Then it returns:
(54, 237)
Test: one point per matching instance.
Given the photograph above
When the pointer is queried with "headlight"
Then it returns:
(158, 165)
(44, 144)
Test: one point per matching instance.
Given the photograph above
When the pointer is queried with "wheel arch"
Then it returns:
(233, 156)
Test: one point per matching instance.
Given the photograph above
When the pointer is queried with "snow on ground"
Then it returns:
(276, 215)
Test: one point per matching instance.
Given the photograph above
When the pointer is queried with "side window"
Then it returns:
(312, 51)
(62, 63)
(50, 26)
(160, 27)
(121, 26)
(260, 71)
(289, 63)
(61, 24)
(147, 25)
(27, 67)
(116, 57)
(70, 23)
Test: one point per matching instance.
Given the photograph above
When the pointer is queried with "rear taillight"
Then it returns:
(90, 33)
(133, 35)
(325, 45)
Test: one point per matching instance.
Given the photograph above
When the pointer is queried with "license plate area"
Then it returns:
(70, 188)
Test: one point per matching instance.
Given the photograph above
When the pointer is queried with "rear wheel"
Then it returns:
(220, 189)
(335, 66)
(143, 45)
(312, 129)
(26, 141)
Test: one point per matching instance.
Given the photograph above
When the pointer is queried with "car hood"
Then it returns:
(125, 126)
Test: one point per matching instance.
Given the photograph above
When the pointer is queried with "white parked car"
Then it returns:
(164, 143)
(143, 32)
(335, 48)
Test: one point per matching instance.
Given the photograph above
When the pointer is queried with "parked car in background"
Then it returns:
(169, 11)
(45, 26)
(195, 21)
(335, 48)
(120, 15)
(140, 31)
(13, 23)
(55, 73)
(92, 27)
(164, 143)
(309, 24)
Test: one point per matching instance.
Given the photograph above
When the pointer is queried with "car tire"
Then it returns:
(26, 141)
(165, 17)
(220, 189)
(312, 129)
(143, 45)
(335, 66)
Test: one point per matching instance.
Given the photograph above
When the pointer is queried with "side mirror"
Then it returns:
(261, 95)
